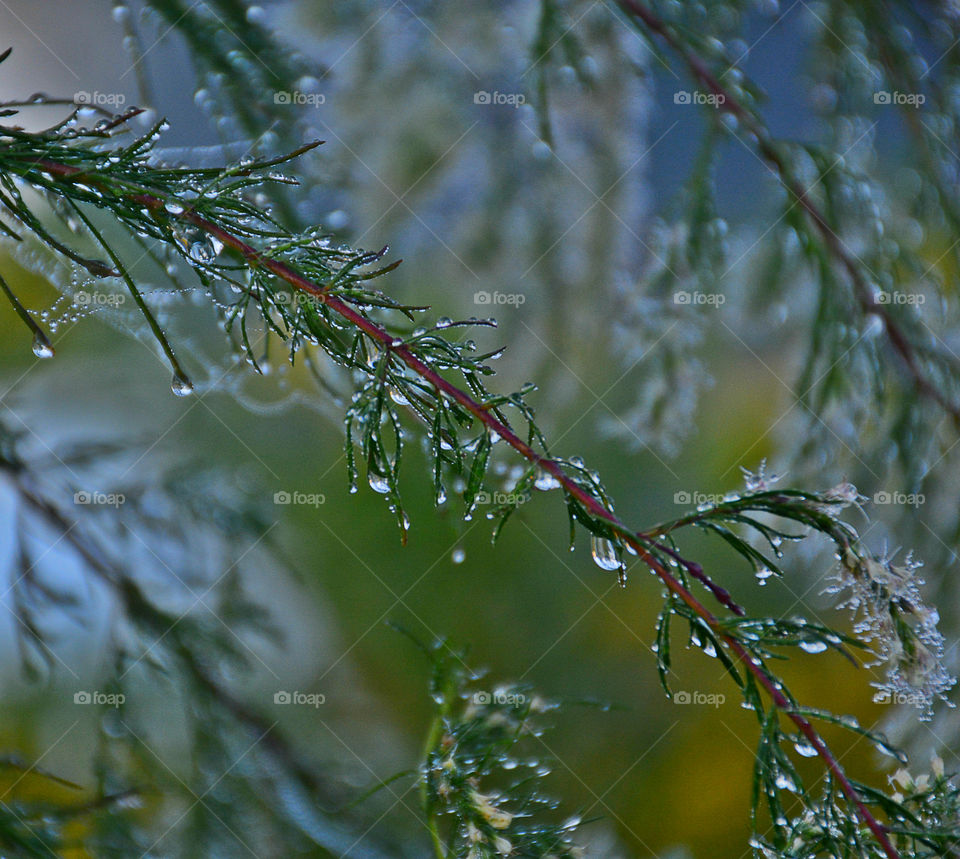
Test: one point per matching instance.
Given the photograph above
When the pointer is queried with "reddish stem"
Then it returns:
(637, 540)
(864, 294)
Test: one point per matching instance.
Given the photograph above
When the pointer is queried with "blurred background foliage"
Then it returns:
(573, 201)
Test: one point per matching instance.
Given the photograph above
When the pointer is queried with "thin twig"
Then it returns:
(863, 293)
(643, 544)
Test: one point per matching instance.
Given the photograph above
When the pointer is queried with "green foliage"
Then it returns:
(279, 289)
(480, 782)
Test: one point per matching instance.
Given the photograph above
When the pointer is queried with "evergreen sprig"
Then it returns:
(297, 288)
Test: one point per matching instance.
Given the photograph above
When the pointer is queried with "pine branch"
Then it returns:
(204, 216)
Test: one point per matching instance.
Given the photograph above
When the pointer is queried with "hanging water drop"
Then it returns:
(813, 646)
(784, 782)
(804, 749)
(378, 483)
(604, 553)
(397, 396)
(181, 386)
(41, 346)
(458, 556)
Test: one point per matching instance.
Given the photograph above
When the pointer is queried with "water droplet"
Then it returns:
(378, 483)
(397, 396)
(605, 554)
(546, 481)
(813, 646)
(762, 576)
(181, 386)
(804, 749)
(41, 346)
(784, 782)
(458, 556)
(441, 495)
(173, 208)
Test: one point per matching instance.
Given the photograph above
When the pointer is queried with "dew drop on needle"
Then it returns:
(604, 553)
(41, 346)
(378, 483)
(181, 386)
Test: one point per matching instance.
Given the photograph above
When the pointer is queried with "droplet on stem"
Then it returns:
(181, 386)
(604, 553)
(378, 483)
(41, 345)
